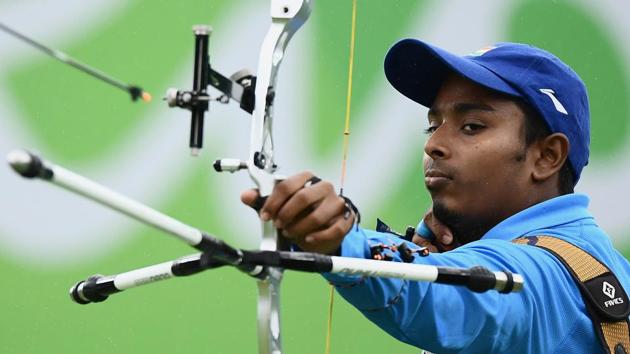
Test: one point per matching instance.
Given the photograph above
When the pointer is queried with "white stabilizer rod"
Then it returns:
(372, 268)
(29, 165)
(503, 281)
(103, 195)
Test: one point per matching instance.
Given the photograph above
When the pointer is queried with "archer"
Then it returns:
(508, 138)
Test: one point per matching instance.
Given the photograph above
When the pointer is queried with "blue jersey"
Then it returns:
(548, 316)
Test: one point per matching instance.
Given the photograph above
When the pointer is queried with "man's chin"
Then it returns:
(445, 202)
(462, 225)
(443, 188)
(445, 214)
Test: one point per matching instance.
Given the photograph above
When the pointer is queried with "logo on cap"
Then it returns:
(482, 51)
(559, 107)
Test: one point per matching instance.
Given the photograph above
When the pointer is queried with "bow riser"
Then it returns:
(286, 18)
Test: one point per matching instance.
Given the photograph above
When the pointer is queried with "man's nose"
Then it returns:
(436, 146)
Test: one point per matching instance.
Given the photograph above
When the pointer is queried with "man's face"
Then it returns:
(475, 163)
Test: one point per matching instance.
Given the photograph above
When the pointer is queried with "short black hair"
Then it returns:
(535, 130)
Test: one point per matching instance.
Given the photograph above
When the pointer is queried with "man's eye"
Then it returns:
(430, 130)
(472, 127)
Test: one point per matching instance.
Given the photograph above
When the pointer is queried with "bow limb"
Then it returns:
(287, 17)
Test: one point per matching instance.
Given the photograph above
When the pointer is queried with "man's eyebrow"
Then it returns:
(462, 107)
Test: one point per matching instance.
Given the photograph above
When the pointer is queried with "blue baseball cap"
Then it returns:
(418, 69)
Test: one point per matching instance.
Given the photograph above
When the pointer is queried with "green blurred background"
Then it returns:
(49, 239)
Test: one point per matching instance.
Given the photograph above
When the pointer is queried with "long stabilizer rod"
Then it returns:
(135, 92)
(97, 288)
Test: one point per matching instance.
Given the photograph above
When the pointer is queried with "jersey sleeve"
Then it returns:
(440, 317)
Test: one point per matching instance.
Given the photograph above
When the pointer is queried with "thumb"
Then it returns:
(250, 197)
(442, 232)
(422, 242)
(447, 237)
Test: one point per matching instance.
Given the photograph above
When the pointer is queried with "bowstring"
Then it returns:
(346, 138)
(346, 131)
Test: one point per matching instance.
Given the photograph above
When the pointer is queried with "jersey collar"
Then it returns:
(560, 210)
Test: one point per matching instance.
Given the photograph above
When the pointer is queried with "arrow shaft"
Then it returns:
(65, 58)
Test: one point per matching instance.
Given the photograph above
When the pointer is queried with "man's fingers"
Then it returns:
(302, 200)
(249, 197)
(320, 217)
(281, 193)
(438, 229)
(443, 235)
(423, 242)
(449, 247)
(306, 210)
(329, 239)
(447, 238)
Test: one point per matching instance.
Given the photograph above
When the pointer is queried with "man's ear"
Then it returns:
(550, 154)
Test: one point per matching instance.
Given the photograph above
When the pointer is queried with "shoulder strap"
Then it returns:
(606, 300)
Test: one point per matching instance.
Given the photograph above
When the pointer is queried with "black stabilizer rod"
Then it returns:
(477, 279)
(219, 251)
(200, 86)
(300, 261)
(135, 92)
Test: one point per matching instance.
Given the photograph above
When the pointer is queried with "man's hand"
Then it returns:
(312, 215)
(443, 240)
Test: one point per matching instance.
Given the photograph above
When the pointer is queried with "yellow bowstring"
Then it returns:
(346, 136)
(346, 131)
(330, 313)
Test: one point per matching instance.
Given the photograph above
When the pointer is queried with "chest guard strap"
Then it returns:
(606, 300)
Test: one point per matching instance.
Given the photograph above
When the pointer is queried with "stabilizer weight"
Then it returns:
(96, 288)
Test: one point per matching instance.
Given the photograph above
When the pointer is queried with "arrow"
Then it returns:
(135, 91)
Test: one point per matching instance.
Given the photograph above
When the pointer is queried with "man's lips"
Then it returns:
(434, 178)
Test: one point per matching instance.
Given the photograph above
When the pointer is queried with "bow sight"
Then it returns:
(238, 87)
